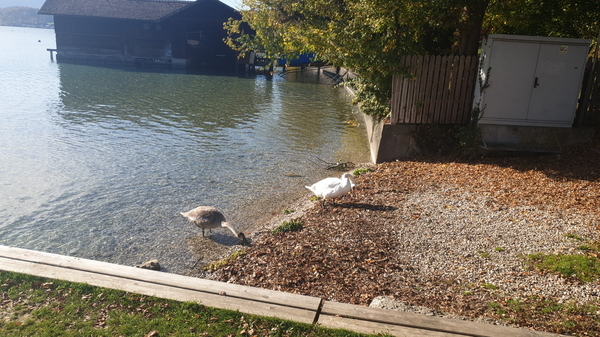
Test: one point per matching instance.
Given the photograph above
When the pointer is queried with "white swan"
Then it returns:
(209, 217)
(329, 188)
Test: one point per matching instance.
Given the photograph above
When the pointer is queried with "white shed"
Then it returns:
(533, 81)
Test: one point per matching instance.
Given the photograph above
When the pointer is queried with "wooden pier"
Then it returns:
(257, 301)
(52, 51)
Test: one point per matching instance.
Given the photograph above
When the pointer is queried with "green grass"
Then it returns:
(583, 266)
(361, 170)
(483, 254)
(489, 286)
(288, 226)
(214, 265)
(590, 247)
(586, 268)
(568, 317)
(33, 306)
(515, 305)
(553, 307)
(573, 237)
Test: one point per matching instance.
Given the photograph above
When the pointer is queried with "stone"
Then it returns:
(151, 264)
(385, 302)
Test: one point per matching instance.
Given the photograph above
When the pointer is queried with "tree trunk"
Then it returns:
(470, 31)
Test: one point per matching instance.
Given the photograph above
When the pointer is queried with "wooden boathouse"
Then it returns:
(176, 34)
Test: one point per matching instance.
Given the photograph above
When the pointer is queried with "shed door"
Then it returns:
(511, 79)
(558, 73)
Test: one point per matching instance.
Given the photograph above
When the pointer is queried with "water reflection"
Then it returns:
(100, 163)
(93, 94)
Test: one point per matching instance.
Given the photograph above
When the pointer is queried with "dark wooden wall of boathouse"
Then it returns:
(203, 23)
(191, 37)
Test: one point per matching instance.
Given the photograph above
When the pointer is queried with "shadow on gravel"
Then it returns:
(371, 207)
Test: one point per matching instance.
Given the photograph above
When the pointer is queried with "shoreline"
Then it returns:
(300, 205)
(447, 235)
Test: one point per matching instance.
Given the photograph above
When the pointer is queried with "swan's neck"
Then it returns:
(235, 232)
(231, 228)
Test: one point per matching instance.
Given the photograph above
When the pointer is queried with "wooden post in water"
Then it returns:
(51, 53)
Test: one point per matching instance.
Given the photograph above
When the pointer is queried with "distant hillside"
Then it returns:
(22, 3)
(24, 16)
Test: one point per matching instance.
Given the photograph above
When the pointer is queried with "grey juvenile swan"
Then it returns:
(209, 217)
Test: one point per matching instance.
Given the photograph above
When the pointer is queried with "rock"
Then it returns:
(392, 304)
(152, 265)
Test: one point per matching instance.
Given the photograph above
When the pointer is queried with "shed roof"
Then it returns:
(151, 10)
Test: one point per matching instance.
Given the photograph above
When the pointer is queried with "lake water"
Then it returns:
(98, 162)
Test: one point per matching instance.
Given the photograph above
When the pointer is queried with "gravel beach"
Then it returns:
(452, 236)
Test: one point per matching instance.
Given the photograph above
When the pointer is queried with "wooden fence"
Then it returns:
(439, 91)
(588, 111)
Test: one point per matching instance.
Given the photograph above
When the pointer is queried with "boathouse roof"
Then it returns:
(149, 10)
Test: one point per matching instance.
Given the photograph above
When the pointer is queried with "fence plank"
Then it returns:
(428, 101)
(590, 98)
(470, 88)
(442, 87)
(462, 91)
(445, 71)
(463, 110)
(424, 86)
(439, 91)
(435, 88)
(405, 61)
(416, 66)
(396, 90)
(418, 109)
(448, 89)
(406, 89)
(459, 65)
(410, 113)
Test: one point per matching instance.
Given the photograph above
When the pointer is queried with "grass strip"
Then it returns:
(546, 314)
(35, 306)
(582, 267)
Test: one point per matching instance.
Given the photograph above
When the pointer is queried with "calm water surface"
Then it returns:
(98, 162)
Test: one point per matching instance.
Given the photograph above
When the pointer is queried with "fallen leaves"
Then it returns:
(346, 252)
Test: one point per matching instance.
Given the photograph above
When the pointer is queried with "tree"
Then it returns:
(367, 36)
(19, 16)
(558, 18)
(370, 36)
